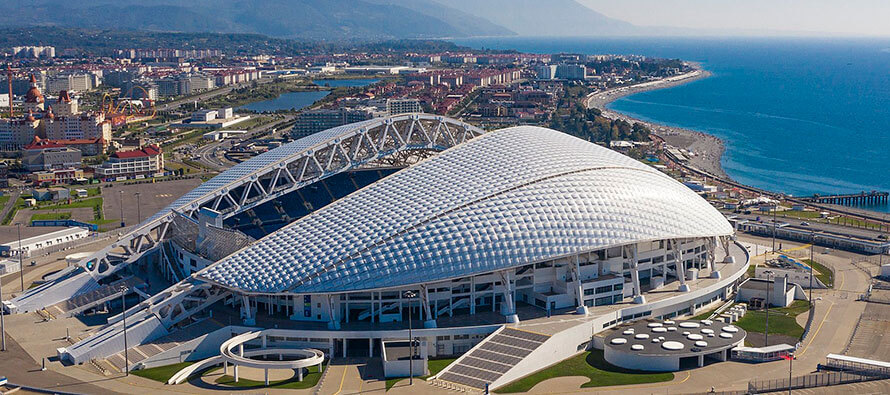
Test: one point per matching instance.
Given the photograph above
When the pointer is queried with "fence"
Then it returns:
(814, 380)
(806, 329)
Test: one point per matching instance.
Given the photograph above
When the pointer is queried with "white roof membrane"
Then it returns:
(507, 198)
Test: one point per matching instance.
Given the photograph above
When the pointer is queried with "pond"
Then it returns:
(287, 101)
(301, 100)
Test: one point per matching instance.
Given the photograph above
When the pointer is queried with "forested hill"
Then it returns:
(332, 20)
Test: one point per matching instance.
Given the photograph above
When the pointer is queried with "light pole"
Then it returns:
(790, 358)
(121, 195)
(138, 209)
(812, 247)
(124, 315)
(21, 254)
(769, 290)
(410, 295)
(775, 210)
(2, 323)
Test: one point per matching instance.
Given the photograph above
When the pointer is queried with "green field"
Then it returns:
(309, 380)
(587, 364)
(435, 366)
(825, 275)
(161, 373)
(781, 320)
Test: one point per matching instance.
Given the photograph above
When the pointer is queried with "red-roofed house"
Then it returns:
(144, 162)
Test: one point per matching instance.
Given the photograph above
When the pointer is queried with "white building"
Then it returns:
(145, 162)
(34, 52)
(546, 72)
(571, 71)
(49, 242)
(403, 106)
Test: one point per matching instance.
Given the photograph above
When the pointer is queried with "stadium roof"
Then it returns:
(507, 198)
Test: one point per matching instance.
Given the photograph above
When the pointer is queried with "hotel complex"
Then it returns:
(511, 248)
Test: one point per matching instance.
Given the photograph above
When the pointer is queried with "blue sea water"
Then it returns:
(798, 116)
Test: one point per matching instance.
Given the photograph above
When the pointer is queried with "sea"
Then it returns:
(798, 115)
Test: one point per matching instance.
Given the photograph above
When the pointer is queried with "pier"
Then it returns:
(862, 198)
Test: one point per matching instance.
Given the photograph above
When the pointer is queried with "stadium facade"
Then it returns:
(342, 235)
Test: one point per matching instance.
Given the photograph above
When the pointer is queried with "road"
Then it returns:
(206, 154)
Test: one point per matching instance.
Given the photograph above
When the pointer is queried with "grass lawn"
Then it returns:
(51, 216)
(19, 204)
(161, 373)
(591, 365)
(435, 366)
(781, 320)
(705, 315)
(825, 275)
(91, 203)
(309, 380)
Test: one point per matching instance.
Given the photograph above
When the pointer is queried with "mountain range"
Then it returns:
(332, 20)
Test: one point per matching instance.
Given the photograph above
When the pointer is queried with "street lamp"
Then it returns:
(775, 210)
(768, 274)
(410, 295)
(812, 247)
(138, 209)
(124, 315)
(21, 253)
(2, 323)
(121, 200)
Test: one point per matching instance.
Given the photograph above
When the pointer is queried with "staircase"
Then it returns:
(142, 352)
(87, 300)
(491, 358)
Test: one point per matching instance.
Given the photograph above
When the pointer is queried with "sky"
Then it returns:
(829, 17)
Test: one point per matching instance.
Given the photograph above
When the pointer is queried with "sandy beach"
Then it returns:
(707, 149)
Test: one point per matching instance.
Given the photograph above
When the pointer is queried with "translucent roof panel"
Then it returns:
(507, 198)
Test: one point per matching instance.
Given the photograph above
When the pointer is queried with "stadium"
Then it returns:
(513, 247)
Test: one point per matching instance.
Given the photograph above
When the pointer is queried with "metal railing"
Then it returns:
(822, 379)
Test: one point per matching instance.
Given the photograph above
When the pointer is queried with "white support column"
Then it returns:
(294, 313)
(246, 311)
(266, 373)
(236, 372)
(334, 322)
(579, 290)
(681, 267)
(371, 348)
(429, 321)
(344, 347)
(712, 256)
(300, 374)
(635, 276)
(509, 307)
(728, 258)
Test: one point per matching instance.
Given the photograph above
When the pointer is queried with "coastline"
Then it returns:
(708, 149)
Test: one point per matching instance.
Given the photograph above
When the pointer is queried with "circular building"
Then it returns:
(669, 346)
